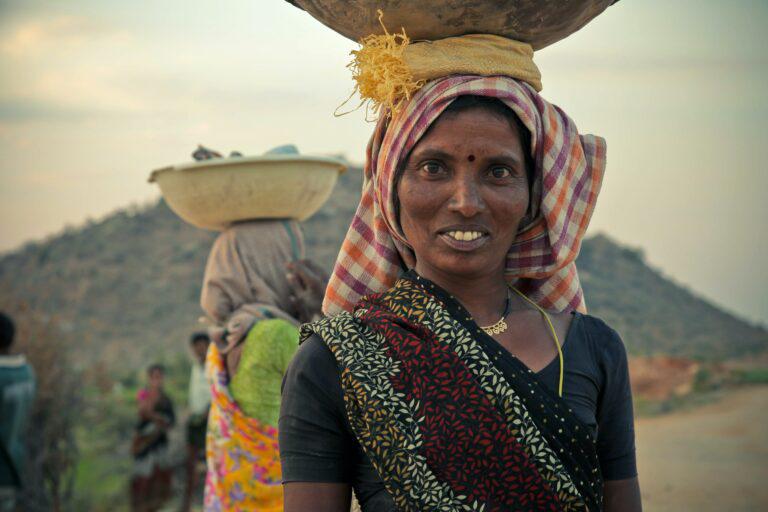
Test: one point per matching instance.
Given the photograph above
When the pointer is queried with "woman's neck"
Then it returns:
(484, 296)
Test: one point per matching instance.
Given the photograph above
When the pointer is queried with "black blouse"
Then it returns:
(317, 443)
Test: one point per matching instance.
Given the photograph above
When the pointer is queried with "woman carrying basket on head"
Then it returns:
(458, 369)
(257, 289)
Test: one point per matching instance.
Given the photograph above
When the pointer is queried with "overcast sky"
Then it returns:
(96, 94)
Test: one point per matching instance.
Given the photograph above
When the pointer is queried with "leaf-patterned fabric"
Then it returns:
(443, 426)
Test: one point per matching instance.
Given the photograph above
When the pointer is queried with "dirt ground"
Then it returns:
(661, 377)
(712, 458)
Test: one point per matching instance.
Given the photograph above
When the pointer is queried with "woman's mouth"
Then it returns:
(461, 240)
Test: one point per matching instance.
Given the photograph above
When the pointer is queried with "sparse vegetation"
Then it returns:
(52, 451)
(751, 376)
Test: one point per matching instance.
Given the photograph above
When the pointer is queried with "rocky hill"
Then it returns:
(128, 286)
(654, 314)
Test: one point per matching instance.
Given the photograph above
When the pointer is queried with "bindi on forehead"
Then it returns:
(471, 158)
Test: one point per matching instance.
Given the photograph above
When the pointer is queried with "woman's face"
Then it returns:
(463, 193)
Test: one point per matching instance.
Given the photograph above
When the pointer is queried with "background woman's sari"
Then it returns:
(243, 458)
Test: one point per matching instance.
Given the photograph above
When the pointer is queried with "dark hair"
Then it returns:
(7, 331)
(499, 108)
(155, 367)
(199, 336)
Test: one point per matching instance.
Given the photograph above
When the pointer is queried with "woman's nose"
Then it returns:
(466, 199)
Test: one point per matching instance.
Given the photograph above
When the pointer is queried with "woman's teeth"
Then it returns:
(464, 236)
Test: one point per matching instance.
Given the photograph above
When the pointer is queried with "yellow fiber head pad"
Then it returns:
(389, 68)
(473, 54)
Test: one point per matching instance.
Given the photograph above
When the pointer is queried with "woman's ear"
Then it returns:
(529, 217)
(396, 202)
(534, 194)
(525, 222)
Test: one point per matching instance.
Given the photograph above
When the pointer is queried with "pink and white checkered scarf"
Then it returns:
(568, 173)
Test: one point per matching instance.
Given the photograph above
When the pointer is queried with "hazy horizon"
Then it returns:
(96, 94)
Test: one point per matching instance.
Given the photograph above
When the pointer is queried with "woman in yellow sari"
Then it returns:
(255, 290)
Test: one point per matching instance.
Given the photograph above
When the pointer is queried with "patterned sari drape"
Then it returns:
(444, 426)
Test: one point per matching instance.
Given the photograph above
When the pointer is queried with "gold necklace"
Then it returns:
(500, 326)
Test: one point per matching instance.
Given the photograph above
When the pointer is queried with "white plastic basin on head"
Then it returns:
(212, 194)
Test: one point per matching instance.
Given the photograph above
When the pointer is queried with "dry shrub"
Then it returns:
(51, 447)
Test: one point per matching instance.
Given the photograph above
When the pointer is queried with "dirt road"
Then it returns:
(712, 458)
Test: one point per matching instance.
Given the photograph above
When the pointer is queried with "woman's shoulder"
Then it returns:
(603, 340)
(336, 332)
(313, 365)
(312, 387)
(313, 354)
(329, 326)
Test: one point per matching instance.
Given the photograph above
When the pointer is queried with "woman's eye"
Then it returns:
(432, 168)
(501, 172)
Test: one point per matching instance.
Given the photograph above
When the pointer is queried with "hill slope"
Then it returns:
(655, 315)
(128, 286)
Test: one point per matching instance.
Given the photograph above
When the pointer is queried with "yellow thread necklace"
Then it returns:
(501, 326)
